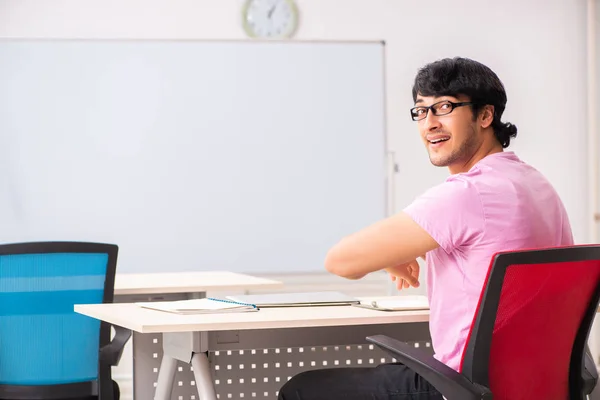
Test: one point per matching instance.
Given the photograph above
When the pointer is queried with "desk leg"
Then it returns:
(166, 376)
(143, 374)
(203, 377)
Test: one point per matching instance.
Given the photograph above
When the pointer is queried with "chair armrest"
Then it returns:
(589, 372)
(451, 384)
(111, 353)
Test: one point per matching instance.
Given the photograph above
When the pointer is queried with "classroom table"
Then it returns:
(142, 287)
(250, 355)
(177, 285)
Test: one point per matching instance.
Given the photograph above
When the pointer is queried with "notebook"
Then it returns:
(395, 303)
(200, 306)
(302, 299)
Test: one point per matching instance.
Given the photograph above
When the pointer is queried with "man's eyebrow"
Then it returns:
(419, 101)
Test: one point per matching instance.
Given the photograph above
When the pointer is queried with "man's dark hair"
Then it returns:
(456, 76)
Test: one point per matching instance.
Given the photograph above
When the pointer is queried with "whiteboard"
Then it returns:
(250, 157)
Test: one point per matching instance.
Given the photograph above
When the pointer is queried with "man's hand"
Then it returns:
(405, 275)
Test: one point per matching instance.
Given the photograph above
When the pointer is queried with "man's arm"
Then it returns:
(388, 243)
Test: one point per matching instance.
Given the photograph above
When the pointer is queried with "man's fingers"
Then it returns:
(407, 282)
(412, 279)
(414, 282)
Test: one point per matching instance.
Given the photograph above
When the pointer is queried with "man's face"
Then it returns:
(452, 138)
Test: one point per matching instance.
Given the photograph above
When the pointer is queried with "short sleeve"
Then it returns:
(452, 213)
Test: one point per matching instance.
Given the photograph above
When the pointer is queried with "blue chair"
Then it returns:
(47, 351)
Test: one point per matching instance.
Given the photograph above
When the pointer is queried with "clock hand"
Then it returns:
(270, 14)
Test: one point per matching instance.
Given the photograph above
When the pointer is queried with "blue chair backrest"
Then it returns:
(42, 340)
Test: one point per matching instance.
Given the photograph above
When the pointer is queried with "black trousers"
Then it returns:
(384, 382)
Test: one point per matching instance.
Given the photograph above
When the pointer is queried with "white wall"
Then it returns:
(537, 47)
(593, 102)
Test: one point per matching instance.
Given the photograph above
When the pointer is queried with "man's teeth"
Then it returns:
(439, 140)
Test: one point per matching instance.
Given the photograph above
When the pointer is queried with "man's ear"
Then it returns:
(486, 116)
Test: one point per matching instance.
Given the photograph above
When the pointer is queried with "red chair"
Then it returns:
(529, 333)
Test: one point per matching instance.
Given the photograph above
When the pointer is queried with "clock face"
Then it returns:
(270, 18)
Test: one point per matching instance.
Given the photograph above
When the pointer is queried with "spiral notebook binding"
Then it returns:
(233, 302)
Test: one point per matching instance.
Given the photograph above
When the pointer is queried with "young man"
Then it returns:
(491, 202)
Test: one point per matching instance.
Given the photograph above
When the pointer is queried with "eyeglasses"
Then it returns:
(443, 107)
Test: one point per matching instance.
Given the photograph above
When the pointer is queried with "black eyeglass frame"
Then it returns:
(431, 107)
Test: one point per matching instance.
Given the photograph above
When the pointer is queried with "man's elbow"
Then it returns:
(339, 265)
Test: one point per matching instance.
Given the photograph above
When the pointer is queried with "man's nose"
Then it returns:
(431, 122)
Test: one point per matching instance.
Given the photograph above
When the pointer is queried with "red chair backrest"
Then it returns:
(541, 308)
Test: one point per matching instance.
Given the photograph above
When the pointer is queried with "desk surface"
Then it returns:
(144, 320)
(189, 282)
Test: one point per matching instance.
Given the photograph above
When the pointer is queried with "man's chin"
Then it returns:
(439, 161)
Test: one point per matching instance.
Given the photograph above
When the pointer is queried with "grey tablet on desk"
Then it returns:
(296, 299)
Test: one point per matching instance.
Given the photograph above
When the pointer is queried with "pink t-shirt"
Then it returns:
(501, 204)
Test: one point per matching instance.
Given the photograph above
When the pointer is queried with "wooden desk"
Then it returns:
(188, 282)
(255, 353)
(174, 286)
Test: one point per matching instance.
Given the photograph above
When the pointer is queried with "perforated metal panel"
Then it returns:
(241, 374)
(258, 373)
